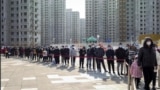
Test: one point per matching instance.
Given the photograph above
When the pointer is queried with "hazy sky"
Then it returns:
(77, 5)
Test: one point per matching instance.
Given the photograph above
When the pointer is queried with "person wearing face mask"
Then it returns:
(120, 54)
(110, 58)
(99, 58)
(147, 61)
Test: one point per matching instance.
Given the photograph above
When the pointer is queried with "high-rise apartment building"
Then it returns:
(138, 17)
(59, 21)
(47, 22)
(147, 17)
(68, 31)
(82, 30)
(75, 27)
(20, 22)
(101, 19)
(53, 21)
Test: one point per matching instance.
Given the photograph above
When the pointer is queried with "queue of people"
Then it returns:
(144, 60)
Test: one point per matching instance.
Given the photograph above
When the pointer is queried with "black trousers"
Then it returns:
(110, 64)
(73, 60)
(148, 73)
(34, 56)
(57, 59)
(7, 55)
(137, 81)
(154, 79)
(81, 62)
(99, 62)
(94, 62)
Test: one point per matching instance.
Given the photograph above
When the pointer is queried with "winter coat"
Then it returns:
(66, 53)
(110, 54)
(120, 54)
(89, 53)
(56, 52)
(93, 51)
(135, 70)
(100, 52)
(62, 52)
(147, 58)
(82, 52)
(73, 52)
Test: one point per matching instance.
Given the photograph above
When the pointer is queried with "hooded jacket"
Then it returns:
(147, 55)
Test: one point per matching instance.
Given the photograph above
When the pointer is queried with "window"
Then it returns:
(25, 13)
(12, 15)
(25, 26)
(25, 33)
(25, 1)
(17, 39)
(2, 26)
(25, 7)
(12, 39)
(12, 2)
(12, 27)
(12, 33)
(25, 39)
(2, 39)
(12, 21)
(17, 33)
(25, 20)
(17, 27)
(2, 33)
(12, 9)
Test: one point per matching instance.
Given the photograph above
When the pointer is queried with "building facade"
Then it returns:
(68, 31)
(101, 19)
(20, 22)
(82, 30)
(59, 21)
(47, 22)
(147, 17)
(75, 33)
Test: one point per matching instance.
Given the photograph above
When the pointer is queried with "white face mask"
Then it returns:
(149, 43)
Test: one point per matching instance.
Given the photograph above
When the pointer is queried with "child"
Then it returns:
(136, 72)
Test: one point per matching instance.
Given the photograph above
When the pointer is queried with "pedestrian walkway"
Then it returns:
(18, 74)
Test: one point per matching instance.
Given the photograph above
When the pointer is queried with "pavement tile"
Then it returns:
(12, 88)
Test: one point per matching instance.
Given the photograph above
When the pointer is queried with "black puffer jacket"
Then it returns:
(147, 58)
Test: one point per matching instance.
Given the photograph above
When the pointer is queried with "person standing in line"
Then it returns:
(56, 54)
(147, 61)
(34, 54)
(66, 55)
(156, 69)
(93, 56)
(136, 72)
(89, 56)
(130, 54)
(82, 53)
(45, 55)
(99, 57)
(110, 59)
(62, 55)
(120, 54)
(73, 54)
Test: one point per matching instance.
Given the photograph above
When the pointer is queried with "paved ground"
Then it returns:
(18, 74)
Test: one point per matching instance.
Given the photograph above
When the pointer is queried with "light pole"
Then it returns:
(98, 39)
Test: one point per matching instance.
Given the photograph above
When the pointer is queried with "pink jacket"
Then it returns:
(135, 71)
